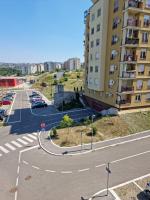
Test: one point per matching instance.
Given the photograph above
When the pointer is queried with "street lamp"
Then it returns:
(81, 140)
(93, 116)
(108, 173)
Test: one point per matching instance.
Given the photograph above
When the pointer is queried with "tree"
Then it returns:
(66, 122)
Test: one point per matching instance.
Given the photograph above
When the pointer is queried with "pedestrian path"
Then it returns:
(18, 143)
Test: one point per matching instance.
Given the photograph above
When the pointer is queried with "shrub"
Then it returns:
(54, 132)
(94, 129)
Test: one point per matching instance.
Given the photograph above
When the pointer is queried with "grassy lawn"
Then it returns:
(128, 192)
(107, 128)
(72, 81)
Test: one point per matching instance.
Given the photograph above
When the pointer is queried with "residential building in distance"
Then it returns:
(72, 64)
(117, 54)
(49, 66)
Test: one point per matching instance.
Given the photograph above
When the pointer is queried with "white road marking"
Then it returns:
(138, 186)
(28, 139)
(34, 133)
(35, 167)
(18, 169)
(22, 141)
(114, 194)
(32, 136)
(25, 162)
(83, 170)
(97, 166)
(3, 149)
(11, 109)
(10, 146)
(16, 144)
(47, 170)
(66, 172)
(0, 155)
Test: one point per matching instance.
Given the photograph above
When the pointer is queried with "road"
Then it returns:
(39, 175)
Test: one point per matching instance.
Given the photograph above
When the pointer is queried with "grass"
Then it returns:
(69, 85)
(107, 128)
(128, 192)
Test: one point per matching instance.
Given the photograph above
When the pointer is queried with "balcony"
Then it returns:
(146, 24)
(134, 22)
(136, 4)
(123, 102)
(132, 41)
(127, 88)
(130, 58)
(130, 75)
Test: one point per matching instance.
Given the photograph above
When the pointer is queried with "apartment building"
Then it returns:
(72, 64)
(117, 54)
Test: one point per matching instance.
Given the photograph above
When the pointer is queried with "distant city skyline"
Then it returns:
(39, 31)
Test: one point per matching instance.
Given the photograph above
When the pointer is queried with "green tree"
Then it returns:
(66, 122)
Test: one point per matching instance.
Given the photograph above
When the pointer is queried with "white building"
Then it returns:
(72, 64)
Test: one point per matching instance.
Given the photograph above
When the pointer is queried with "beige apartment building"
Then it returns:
(117, 54)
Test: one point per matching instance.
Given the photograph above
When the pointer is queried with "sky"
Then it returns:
(41, 30)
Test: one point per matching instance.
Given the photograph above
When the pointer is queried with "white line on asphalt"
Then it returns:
(83, 170)
(3, 149)
(32, 136)
(18, 169)
(22, 141)
(114, 194)
(11, 109)
(16, 144)
(17, 181)
(10, 146)
(25, 162)
(128, 157)
(0, 155)
(16, 194)
(47, 170)
(138, 186)
(97, 166)
(66, 172)
(28, 139)
(35, 167)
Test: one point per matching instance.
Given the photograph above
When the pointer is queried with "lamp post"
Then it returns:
(108, 173)
(92, 132)
(81, 140)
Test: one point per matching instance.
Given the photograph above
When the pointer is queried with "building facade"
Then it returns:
(117, 54)
(72, 64)
(10, 81)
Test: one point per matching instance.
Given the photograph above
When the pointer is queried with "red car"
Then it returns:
(5, 102)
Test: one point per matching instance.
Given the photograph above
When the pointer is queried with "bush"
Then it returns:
(94, 130)
(65, 79)
(54, 132)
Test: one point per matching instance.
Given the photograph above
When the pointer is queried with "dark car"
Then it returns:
(34, 95)
(39, 105)
(3, 112)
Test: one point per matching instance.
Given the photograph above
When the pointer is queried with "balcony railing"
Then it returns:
(128, 75)
(134, 22)
(136, 4)
(139, 87)
(146, 23)
(127, 89)
(123, 102)
(130, 58)
(133, 41)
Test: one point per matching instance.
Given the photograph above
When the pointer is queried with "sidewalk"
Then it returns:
(51, 148)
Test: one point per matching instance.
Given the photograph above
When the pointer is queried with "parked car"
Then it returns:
(4, 112)
(37, 100)
(34, 95)
(39, 105)
(8, 98)
(5, 102)
(147, 190)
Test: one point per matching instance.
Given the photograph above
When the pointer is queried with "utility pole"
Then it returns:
(108, 173)
(81, 140)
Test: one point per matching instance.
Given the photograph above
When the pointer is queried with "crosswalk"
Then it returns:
(18, 143)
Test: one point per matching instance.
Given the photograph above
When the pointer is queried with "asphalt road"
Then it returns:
(39, 175)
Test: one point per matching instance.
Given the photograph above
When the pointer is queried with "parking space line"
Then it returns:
(10, 146)
(32, 136)
(83, 170)
(138, 186)
(28, 139)
(22, 141)
(3, 149)
(16, 144)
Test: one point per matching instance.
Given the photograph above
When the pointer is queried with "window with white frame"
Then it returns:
(145, 37)
(96, 68)
(99, 12)
(141, 69)
(114, 54)
(97, 42)
(91, 68)
(112, 69)
(98, 27)
(146, 20)
(91, 57)
(97, 56)
(92, 31)
(143, 54)
(92, 44)
(111, 83)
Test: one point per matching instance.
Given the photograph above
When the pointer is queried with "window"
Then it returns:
(96, 82)
(90, 81)
(148, 97)
(146, 20)
(114, 54)
(138, 98)
(91, 69)
(97, 56)
(92, 31)
(111, 83)
(116, 21)
(114, 39)
(93, 17)
(92, 44)
(148, 3)
(96, 68)
(99, 12)
(145, 37)
(143, 54)
(141, 69)
(98, 27)
(148, 84)
(97, 42)
(91, 57)
(112, 69)
(116, 5)
(139, 84)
